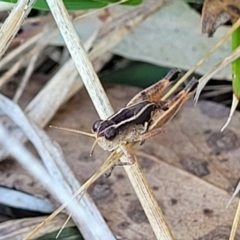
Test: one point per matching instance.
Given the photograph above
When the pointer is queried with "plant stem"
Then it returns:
(104, 109)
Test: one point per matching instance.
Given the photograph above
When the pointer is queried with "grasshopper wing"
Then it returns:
(169, 110)
(155, 92)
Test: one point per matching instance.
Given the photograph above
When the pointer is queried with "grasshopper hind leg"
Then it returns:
(155, 92)
(128, 152)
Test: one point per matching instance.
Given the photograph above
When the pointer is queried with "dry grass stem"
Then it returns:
(19, 50)
(235, 223)
(112, 158)
(26, 77)
(21, 62)
(13, 23)
(102, 104)
(79, 55)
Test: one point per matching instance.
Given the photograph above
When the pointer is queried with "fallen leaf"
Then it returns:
(172, 38)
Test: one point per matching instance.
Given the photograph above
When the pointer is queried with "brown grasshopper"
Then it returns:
(142, 118)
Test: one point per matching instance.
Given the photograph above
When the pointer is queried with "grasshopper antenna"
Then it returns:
(74, 131)
(93, 147)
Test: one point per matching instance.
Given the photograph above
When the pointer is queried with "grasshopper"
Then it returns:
(142, 118)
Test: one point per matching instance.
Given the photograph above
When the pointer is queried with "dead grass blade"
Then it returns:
(113, 157)
(37, 49)
(13, 23)
(235, 223)
(26, 77)
(19, 50)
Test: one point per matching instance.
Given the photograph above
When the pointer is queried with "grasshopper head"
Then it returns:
(104, 132)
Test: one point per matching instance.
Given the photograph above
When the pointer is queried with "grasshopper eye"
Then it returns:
(110, 133)
(96, 125)
(173, 74)
(192, 85)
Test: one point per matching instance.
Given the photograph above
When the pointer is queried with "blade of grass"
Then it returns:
(235, 223)
(235, 101)
(236, 64)
(19, 50)
(38, 48)
(236, 77)
(26, 77)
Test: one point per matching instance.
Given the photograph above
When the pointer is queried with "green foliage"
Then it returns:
(236, 64)
(136, 74)
(195, 1)
(129, 2)
(79, 4)
(67, 233)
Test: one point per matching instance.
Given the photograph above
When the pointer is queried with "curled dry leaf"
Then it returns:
(216, 13)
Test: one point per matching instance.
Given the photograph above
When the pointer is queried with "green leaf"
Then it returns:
(67, 233)
(195, 1)
(130, 2)
(70, 4)
(235, 76)
(136, 74)
(79, 4)
(236, 64)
